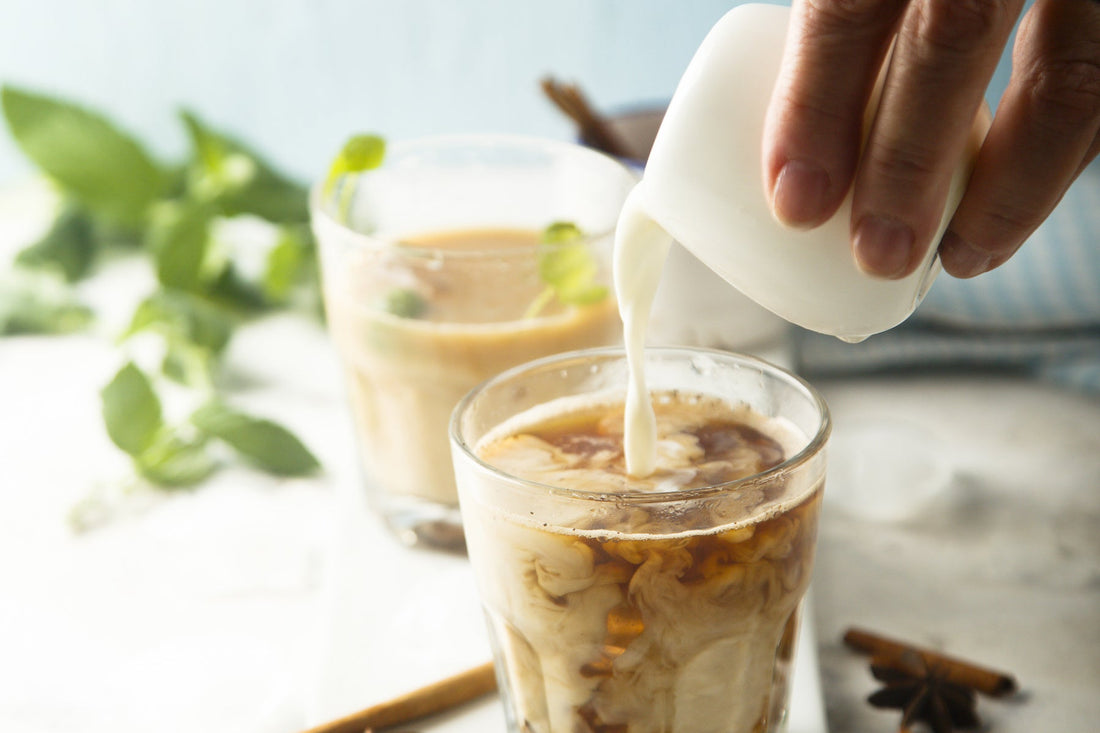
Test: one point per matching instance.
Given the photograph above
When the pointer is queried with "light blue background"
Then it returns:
(295, 77)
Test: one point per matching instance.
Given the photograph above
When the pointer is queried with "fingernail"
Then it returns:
(799, 196)
(883, 246)
(960, 259)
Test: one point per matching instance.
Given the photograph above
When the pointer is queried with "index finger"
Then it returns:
(814, 122)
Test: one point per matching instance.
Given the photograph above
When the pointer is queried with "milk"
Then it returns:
(703, 187)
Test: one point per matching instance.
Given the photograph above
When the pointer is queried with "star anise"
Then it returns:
(926, 685)
(923, 693)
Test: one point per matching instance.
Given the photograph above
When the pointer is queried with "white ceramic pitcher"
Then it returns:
(703, 186)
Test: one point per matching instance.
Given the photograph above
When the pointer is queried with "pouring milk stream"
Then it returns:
(702, 187)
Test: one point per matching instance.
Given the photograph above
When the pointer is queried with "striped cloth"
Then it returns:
(1039, 312)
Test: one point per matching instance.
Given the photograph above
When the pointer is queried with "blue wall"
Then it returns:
(297, 76)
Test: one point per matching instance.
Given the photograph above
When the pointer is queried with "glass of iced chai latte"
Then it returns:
(665, 604)
(438, 273)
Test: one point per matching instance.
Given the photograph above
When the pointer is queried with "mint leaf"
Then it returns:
(185, 316)
(237, 180)
(179, 238)
(288, 263)
(268, 445)
(68, 247)
(38, 302)
(195, 330)
(232, 290)
(360, 153)
(568, 268)
(94, 162)
(405, 303)
(175, 463)
(131, 410)
(560, 232)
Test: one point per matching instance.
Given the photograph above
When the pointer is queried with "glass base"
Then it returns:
(421, 523)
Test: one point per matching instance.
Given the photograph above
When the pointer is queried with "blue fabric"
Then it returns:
(1039, 312)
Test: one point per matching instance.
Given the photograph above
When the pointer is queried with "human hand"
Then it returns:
(1046, 130)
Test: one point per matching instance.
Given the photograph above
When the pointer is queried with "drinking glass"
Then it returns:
(672, 611)
(434, 279)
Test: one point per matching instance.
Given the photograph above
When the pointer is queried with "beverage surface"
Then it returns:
(700, 441)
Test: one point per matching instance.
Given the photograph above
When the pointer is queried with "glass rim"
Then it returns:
(813, 446)
(529, 142)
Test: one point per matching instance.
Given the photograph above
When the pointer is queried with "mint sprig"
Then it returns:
(359, 154)
(567, 266)
(177, 455)
(117, 198)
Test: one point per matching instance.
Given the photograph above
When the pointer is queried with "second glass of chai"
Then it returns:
(457, 258)
(666, 604)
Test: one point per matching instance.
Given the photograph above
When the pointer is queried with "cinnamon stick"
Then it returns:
(429, 700)
(891, 652)
(593, 128)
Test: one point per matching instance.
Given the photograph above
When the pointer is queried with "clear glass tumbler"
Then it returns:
(657, 611)
(435, 277)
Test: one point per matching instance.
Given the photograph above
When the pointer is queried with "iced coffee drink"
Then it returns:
(666, 604)
(442, 276)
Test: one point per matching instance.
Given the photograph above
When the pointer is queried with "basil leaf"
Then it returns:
(238, 180)
(405, 303)
(560, 232)
(38, 302)
(232, 290)
(360, 153)
(93, 161)
(186, 316)
(567, 267)
(176, 463)
(131, 411)
(68, 247)
(179, 237)
(268, 445)
(188, 364)
(287, 263)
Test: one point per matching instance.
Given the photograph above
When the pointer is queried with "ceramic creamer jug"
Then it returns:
(703, 186)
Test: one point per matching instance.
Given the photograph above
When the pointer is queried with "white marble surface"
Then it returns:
(1001, 565)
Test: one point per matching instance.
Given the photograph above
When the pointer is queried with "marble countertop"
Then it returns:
(997, 562)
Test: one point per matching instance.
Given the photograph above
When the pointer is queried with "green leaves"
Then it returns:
(68, 247)
(195, 331)
(263, 442)
(237, 181)
(131, 411)
(360, 153)
(177, 216)
(175, 456)
(176, 463)
(568, 268)
(103, 168)
(404, 303)
(178, 236)
(38, 302)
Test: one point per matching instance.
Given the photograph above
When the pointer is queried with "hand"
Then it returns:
(1046, 130)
